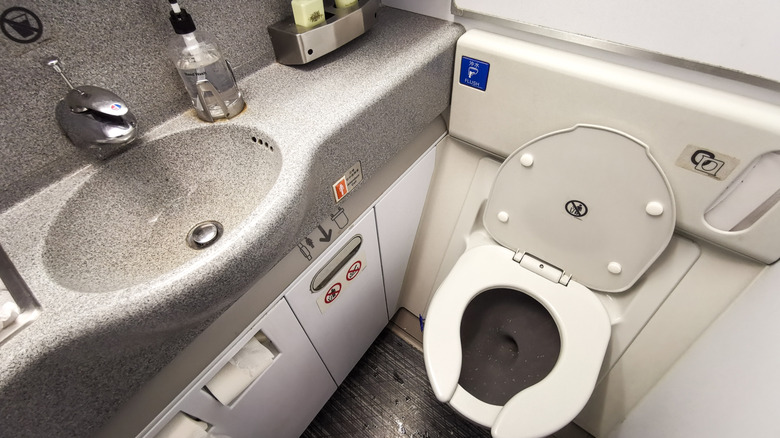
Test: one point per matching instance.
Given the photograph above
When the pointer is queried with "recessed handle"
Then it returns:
(335, 264)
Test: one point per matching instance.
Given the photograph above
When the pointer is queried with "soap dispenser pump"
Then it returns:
(207, 76)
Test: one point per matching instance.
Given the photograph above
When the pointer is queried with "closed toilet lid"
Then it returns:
(590, 200)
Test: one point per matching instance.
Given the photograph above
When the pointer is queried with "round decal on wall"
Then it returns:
(576, 208)
(354, 270)
(333, 292)
(21, 25)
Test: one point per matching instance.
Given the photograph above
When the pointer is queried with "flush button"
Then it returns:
(503, 216)
(527, 160)
(654, 208)
(615, 268)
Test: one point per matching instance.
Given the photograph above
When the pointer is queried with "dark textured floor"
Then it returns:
(387, 395)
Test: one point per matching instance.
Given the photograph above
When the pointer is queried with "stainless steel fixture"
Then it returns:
(295, 45)
(94, 119)
(27, 307)
(204, 234)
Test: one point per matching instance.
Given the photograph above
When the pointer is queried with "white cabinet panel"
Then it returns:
(281, 401)
(344, 317)
(398, 214)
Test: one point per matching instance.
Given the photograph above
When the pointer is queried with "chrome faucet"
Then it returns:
(93, 118)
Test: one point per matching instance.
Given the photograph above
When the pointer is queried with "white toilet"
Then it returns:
(575, 211)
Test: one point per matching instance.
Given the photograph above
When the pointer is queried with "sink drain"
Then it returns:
(204, 234)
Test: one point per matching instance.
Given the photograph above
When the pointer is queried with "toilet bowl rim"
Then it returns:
(444, 378)
(541, 294)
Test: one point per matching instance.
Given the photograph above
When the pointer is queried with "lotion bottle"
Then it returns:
(308, 13)
(207, 76)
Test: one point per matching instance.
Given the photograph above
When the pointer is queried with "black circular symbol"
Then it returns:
(576, 208)
(700, 155)
(21, 25)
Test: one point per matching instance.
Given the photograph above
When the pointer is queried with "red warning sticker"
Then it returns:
(340, 189)
(342, 282)
(354, 270)
(349, 181)
(333, 292)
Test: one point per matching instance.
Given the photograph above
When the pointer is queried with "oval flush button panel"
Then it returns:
(749, 197)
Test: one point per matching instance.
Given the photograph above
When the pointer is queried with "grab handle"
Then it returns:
(335, 264)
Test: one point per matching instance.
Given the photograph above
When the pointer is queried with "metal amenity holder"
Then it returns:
(296, 45)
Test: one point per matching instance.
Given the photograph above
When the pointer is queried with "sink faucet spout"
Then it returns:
(94, 119)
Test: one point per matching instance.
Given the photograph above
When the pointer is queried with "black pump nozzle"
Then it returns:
(180, 19)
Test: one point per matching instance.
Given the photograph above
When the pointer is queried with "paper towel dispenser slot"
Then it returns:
(183, 425)
(242, 369)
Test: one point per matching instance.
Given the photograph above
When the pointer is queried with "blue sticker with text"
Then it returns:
(474, 73)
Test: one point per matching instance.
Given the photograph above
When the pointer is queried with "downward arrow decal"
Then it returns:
(325, 236)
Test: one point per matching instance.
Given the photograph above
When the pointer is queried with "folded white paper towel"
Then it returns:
(240, 371)
(183, 426)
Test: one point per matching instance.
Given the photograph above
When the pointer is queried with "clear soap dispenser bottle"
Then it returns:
(207, 76)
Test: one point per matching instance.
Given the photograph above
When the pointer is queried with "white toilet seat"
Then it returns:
(558, 200)
(543, 408)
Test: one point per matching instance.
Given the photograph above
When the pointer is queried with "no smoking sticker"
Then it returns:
(328, 297)
(354, 270)
(337, 292)
(332, 293)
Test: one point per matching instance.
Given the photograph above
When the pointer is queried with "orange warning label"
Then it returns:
(349, 181)
(340, 189)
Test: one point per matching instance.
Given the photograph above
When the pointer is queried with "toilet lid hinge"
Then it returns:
(539, 266)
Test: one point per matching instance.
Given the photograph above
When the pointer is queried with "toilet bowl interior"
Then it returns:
(509, 343)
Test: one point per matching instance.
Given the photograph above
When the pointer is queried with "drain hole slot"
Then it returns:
(204, 234)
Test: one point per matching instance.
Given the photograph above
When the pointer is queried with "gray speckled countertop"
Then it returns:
(68, 372)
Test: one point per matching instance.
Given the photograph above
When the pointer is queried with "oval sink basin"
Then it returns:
(129, 222)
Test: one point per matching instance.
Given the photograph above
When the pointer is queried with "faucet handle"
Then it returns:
(93, 118)
(55, 63)
(87, 97)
